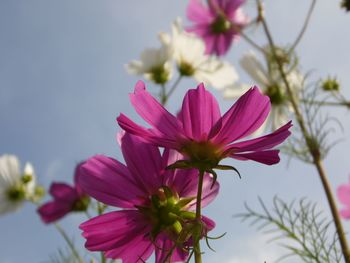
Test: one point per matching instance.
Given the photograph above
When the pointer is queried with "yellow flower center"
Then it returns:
(204, 155)
(220, 25)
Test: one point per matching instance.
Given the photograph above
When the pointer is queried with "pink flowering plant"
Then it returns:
(157, 204)
(150, 207)
(218, 23)
(66, 199)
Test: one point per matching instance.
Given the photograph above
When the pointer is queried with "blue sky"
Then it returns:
(63, 83)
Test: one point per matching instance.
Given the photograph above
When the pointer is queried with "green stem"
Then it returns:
(172, 89)
(328, 103)
(303, 30)
(100, 211)
(163, 96)
(69, 242)
(197, 248)
(316, 157)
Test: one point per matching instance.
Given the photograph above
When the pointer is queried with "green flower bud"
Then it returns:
(39, 192)
(346, 5)
(26, 178)
(330, 84)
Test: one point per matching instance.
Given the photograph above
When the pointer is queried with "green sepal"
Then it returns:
(228, 167)
(177, 227)
(185, 201)
(188, 215)
(181, 164)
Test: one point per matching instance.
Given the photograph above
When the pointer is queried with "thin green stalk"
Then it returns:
(328, 103)
(69, 242)
(163, 96)
(197, 248)
(316, 157)
(303, 30)
(171, 91)
(100, 211)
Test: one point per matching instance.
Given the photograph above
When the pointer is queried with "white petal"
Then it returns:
(30, 186)
(296, 79)
(29, 169)
(9, 170)
(6, 206)
(236, 90)
(216, 73)
(186, 47)
(280, 116)
(135, 68)
(255, 69)
(152, 57)
(164, 38)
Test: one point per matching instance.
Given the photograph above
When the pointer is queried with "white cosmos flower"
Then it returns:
(154, 64)
(271, 84)
(191, 60)
(15, 187)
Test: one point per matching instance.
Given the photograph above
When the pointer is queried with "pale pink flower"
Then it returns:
(343, 193)
(157, 204)
(201, 134)
(66, 199)
(217, 23)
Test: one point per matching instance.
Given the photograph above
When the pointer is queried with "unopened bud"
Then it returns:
(330, 84)
(346, 5)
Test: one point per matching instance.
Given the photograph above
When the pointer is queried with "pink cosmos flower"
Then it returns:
(201, 134)
(157, 204)
(343, 193)
(216, 23)
(66, 199)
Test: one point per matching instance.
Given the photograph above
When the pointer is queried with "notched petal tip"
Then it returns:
(139, 87)
(201, 87)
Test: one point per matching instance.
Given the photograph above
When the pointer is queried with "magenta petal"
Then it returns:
(185, 183)
(209, 191)
(110, 182)
(144, 162)
(163, 247)
(54, 210)
(138, 250)
(200, 30)
(146, 135)
(120, 234)
(232, 6)
(77, 175)
(245, 116)
(209, 224)
(200, 111)
(345, 213)
(210, 44)
(268, 157)
(343, 193)
(197, 12)
(63, 192)
(154, 113)
(262, 143)
(223, 43)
